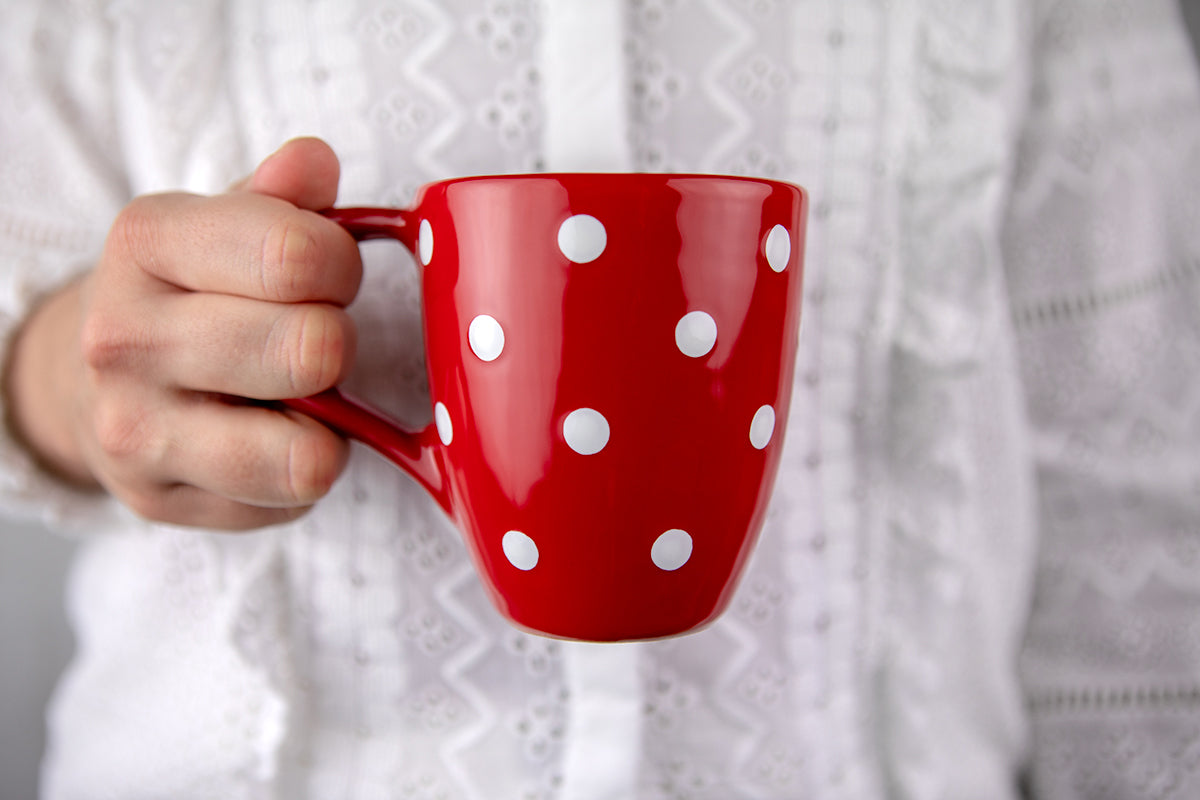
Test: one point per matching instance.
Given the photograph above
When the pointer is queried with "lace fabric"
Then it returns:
(43, 244)
(982, 174)
(1104, 306)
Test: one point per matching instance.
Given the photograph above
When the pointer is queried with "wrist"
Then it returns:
(40, 387)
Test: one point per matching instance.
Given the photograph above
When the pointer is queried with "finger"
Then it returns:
(250, 348)
(248, 454)
(241, 244)
(195, 460)
(186, 505)
(257, 456)
(303, 171)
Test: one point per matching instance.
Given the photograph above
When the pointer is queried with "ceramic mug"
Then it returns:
(610, 362)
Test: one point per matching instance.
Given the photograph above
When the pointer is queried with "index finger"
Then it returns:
(242, 243)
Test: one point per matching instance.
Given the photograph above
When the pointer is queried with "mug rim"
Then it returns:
(502, 177)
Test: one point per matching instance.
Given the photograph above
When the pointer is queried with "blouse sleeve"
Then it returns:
(1102, 250)
(61, 183)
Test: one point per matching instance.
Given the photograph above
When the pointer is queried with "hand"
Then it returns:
(136, 377)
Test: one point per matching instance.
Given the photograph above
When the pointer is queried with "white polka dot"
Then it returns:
(762, 427)
(425, 242)
(445, 428)
(586, 431)
(671, 550)
(778, 248)
(582, 238)
(696, 333)
(486, 337)
(520, 550)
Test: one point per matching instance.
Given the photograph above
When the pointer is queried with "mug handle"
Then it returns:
(415, 452)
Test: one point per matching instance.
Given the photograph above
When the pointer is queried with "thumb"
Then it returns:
(303, 171)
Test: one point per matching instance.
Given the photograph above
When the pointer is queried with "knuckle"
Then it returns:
(314, 463)
(108, 341)
(99, 345)
(288, 261)
(134, 233)
(123, 433)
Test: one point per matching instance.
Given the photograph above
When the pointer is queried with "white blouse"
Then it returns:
(980, 571)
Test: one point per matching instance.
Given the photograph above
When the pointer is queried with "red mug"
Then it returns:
(610, 361)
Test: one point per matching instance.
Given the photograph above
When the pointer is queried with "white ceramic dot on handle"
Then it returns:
(425, 242)
(445, 426)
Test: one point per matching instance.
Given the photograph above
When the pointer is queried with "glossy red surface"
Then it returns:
(632, 518)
